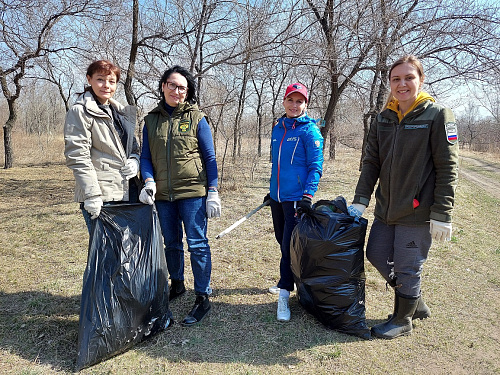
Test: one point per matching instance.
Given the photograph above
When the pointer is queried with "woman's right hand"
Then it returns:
(93, 206)
(356, 209)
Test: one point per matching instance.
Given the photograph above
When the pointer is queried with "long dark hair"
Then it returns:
(191, 92)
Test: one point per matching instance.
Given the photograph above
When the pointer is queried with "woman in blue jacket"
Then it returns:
(297, 162)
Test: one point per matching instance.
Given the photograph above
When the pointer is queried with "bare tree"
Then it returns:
(258, 86)
(25, 37)
(346, 47)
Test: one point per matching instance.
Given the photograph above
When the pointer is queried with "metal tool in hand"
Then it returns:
(244, 218)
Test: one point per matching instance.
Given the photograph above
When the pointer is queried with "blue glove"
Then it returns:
(356, 210)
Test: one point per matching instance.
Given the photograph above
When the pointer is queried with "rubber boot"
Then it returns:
(200, 310)
(400, 322)
(421, 312)
(176, 289)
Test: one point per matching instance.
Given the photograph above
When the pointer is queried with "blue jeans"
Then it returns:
(192, 213)
(399, 252)
(284, 221)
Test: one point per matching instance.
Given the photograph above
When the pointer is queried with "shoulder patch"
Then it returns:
(451, 132)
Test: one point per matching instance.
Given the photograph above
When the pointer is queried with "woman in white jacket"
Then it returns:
(100, 145)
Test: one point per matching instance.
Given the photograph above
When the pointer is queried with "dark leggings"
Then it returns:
(284, 220)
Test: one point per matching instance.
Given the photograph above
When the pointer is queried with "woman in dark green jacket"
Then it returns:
(412, 152)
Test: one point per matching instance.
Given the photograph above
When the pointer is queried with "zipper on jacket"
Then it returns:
(294, 149)
(279, 162)
(396, 132)
(169, 159)
(300, 182)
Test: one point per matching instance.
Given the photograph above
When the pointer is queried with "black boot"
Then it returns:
(400, 322)
(421, 312)
(176, 289)
(200, 309)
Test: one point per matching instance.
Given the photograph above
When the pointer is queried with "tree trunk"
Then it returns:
(333, 142)
(239, 114)
(129, 94)
(259, 146)
(7, 143)
(7, 134)
(329, 129)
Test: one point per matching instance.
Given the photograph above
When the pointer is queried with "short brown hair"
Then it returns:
(103, 66)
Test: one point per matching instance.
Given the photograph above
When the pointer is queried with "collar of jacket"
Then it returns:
(298, 121)
(88, 101)
(181, 108)
(390, 114)
(421, 98)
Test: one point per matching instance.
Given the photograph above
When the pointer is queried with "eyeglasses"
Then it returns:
(172, 86)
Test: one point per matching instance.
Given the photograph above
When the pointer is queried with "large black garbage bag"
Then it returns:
(125, 285)
(328, 266)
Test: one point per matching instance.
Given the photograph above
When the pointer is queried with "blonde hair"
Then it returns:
(410, 59)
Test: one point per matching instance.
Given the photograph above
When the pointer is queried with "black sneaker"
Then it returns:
(200, 309)
(176, 289)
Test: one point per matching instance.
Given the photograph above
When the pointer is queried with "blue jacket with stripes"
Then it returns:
(297, 158)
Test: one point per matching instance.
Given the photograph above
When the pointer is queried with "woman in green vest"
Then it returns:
(412, 153)
(179, 169)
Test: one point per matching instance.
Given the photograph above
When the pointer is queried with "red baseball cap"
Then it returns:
(296, 87)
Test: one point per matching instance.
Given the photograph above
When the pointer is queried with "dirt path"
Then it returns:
(492, 186)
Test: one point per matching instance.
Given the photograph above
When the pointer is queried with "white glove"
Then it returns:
(356, 209)
(93, 206)
(148, 193)
(440, 231)
(130, 169)
(213, 204)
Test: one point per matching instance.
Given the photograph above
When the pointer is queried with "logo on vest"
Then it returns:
(184, 125)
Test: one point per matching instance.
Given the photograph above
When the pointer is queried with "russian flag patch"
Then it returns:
(451, 132)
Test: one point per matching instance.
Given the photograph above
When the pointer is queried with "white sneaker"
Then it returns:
(274, 290)
(283, 313)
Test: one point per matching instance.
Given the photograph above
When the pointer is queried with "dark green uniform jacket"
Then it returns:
(413, 161)
(176, 157)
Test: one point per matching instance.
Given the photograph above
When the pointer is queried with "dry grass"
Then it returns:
(43, 243)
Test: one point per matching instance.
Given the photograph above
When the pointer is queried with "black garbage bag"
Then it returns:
(125, 285)
(327, 259)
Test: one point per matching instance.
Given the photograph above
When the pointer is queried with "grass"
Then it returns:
(43, 249)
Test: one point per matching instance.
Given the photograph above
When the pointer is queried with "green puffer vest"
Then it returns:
(177, 162)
